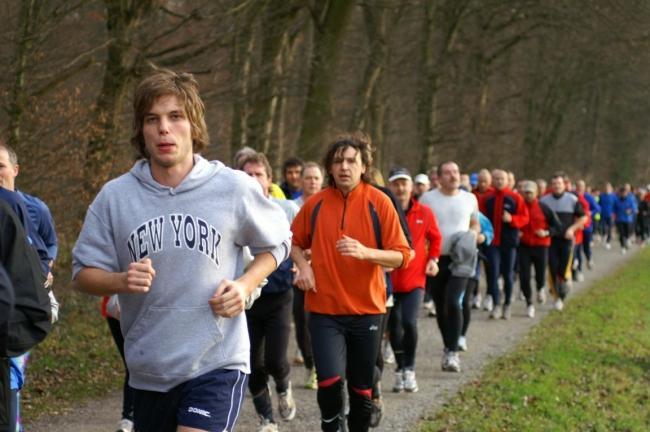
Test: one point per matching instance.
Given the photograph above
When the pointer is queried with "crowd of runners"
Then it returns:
(205, 269)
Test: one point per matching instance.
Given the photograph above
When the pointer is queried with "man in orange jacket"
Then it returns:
(353, 232)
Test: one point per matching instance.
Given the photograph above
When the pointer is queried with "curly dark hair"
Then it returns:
(359, 141)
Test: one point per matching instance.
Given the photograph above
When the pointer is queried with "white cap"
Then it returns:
(422, 178)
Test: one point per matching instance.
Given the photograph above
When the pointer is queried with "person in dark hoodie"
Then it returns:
(168, 237)
(269, 319)
(573, 217)
(6, 307)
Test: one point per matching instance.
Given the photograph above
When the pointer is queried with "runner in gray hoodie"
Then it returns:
(167, 237)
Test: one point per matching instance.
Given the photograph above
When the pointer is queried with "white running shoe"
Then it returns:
(496, 312)
(124, 425)
(410, 384)
(428, 305)
(590, 264)
(608, 246)
(623, 251)
(580, 277)
(398, 387)
(452, 363)
(267, 425)
(476, 302)
(462, 343)
(506, 312)
(541, 296)
(559, 304)
(530, 311)
(488, 305)
(286, 404)
(311, 380)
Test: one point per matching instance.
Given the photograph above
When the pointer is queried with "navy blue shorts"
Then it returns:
(210, 402)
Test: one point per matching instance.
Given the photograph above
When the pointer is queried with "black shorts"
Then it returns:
(209, 402)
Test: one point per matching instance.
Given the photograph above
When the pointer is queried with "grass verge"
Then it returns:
(585, 369)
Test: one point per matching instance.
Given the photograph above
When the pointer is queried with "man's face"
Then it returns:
(8, 171)
(168, 134)
(402, 189)
(581, 187)
(258, 172)
(433, 179)
(557, 185)
(499, 179)
(347, 169)
(608, 188)
(292, 176)
(420, 188)
(450, 176)
(484, 182)
(312, 181)
(529, 196)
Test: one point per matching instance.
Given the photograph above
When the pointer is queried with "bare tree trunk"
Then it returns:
(441, 24)
(375, 20)
(318, 108)
(122, 20)
(28, 16)
(242, 52)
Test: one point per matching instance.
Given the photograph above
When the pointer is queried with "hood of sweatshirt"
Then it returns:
(202, 172)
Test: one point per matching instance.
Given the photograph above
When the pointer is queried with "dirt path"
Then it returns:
(486, 339)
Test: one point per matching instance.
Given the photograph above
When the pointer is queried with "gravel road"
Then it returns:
(486, 339)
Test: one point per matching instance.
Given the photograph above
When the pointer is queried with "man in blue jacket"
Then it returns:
(624, 211)
(606, 203)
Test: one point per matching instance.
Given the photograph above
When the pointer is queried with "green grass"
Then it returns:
(77, 361)
(586, 369)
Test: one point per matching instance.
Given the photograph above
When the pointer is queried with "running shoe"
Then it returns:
(541, 296)
(559, 304)
(579, 276)
(124, 425)
(608, 246)
(410, 384)
(488, 305)
(496, 312)
(398, 387)
(311, 381)
(428, 305)
(452, 362)
(462, 343)
(623, 251)
(590, 264)
(377, 412)
(530, 311)
(267, 425)
(476, 301)
(506, 312)
(286, 404)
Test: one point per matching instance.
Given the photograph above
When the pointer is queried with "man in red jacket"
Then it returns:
(535, 241)
(409, 283)
(508, 213)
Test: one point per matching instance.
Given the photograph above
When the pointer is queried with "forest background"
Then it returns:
(527, 85)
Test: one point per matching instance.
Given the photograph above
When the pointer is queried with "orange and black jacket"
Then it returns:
(492, 205)
(346, 285)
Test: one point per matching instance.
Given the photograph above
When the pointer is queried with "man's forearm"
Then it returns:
(262, 265)
(99, 282)
(385, 258)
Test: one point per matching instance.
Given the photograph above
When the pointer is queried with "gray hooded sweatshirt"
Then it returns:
(194, 235)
